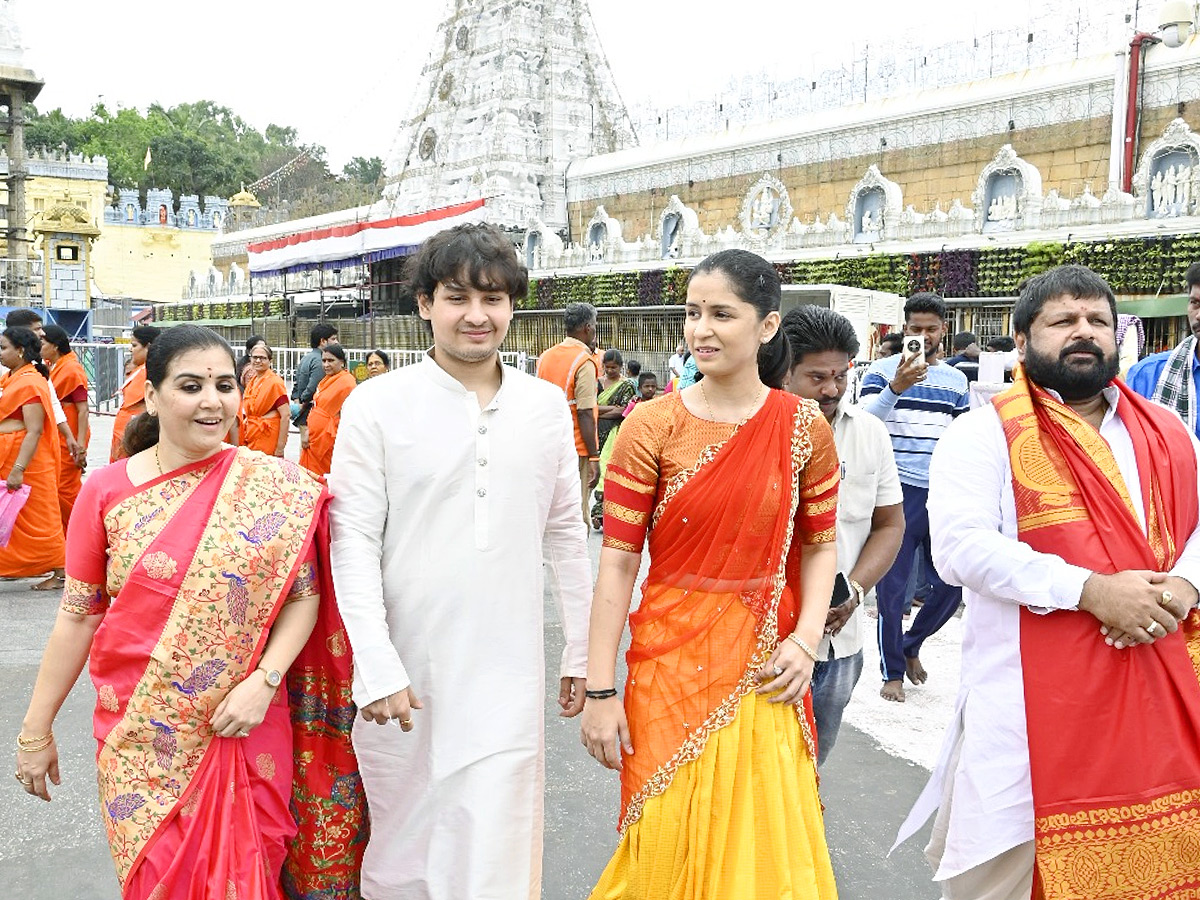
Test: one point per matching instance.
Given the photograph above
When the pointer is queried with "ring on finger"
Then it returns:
(1166, 598)
(778, 671)
(1152, 629)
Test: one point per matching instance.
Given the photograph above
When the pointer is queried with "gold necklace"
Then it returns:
(158, 460)
(712, 416)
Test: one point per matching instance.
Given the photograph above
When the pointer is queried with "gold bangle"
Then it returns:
(33, 745)
(803, 646)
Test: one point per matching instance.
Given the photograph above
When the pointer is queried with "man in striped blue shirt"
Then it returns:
(916, 397)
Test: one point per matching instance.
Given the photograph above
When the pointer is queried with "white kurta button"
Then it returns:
(482, 461)
(483, 429)
(482, 492)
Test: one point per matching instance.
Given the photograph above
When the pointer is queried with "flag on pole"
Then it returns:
(146, 161)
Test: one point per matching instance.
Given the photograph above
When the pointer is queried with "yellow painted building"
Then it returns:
(145, 251)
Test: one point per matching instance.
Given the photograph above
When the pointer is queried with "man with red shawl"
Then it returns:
(1067, 510)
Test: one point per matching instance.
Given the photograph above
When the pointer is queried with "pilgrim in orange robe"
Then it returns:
(261, 416)
(36, 546)
(70, 382)
(323, 421)
(133, 399)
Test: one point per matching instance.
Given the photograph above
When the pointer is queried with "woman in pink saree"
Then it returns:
(195, 583)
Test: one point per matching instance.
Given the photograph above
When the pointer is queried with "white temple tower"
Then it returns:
(513, 91)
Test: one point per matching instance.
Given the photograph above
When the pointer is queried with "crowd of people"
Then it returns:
(342, 662)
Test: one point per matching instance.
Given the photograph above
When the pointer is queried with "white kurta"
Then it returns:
(439, 518)
(973, 532)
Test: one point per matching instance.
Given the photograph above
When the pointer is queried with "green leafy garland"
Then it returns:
(1142, 265)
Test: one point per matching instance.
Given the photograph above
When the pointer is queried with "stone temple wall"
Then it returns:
(933, 146)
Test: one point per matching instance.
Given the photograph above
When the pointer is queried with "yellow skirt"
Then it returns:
(741, 822)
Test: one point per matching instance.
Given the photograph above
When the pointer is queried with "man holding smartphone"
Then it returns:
(870, 517)
(917, 397)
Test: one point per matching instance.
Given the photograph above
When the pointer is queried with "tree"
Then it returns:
(367, 172)
(207, 149)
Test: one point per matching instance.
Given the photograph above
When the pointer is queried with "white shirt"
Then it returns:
(436, 498)
(973, 530)
(440, 517)
(869, 480)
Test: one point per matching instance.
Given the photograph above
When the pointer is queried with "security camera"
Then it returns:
(1177, 20)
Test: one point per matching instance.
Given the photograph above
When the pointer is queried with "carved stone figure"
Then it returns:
(1159, 192)
(764, 208)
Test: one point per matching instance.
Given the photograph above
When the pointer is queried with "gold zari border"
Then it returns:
(767, 636)
(1139, 850)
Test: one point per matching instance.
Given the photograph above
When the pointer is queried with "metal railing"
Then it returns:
(105, 367)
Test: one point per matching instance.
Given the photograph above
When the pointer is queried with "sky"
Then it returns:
(343, 74)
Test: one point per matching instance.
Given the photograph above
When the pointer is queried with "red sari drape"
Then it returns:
(36, 546)
(67, 377)
(1114, 736)
(189, 815)
(261, 416)
(323, 421)
(719, 594)
(133, 397)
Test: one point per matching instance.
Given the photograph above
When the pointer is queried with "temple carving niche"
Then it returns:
(1167, 181)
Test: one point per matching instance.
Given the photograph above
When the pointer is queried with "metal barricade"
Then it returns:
(105, 367)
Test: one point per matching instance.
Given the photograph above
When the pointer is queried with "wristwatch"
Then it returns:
(857, 591)
(274, 677)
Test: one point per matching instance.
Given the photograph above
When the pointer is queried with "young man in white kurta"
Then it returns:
(443, 502)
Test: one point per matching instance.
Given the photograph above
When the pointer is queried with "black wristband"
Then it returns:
(601, 695)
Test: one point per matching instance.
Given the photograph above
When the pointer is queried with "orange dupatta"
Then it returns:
(36, 546)
(323, 421)
(256, 428)
(720, 591)
(67, 376)
(133, 395)
(1114, 736)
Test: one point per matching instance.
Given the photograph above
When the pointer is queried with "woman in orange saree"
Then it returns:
(261, 422)
(736, 485)
(70, 382)
(316, 454)
(196, 578)
(29, 457)
(133, 391)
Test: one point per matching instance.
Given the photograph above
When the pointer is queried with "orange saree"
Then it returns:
(1114, 736)
(261, 416)
(133, 398)
(323, 421)
(727, 509)
(36, 546)
(189, 572)
(69, 380)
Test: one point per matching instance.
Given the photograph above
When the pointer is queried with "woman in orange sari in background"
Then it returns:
(70, 382)
(29, 456)
(261, 422)
(326, 413)
(133, 391)
(197, 581)
(736, 485)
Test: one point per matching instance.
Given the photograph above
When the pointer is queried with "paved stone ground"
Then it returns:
(58, 851)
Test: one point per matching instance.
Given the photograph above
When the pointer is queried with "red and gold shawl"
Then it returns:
(724, 572)
(1114, 736)
(189, 814)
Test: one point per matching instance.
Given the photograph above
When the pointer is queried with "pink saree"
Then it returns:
(197, 564)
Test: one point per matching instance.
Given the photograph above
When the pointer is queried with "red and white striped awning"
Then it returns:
(358, 241)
